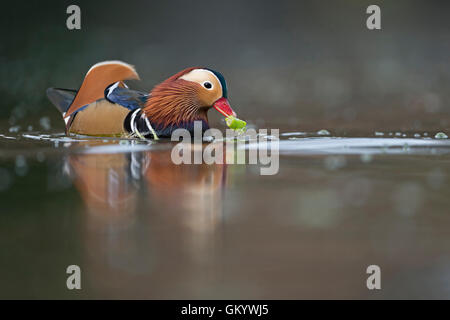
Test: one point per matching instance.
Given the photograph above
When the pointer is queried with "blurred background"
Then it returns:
(141, 227)
(287, 62)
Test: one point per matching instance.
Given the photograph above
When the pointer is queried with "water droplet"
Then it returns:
(14, 129)
(208, 138)
(379, 133)
(440, 135)
(323, 132)
(416, 135)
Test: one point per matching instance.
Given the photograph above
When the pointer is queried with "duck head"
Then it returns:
(186, 97)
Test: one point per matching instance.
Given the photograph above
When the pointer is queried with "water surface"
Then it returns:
(140, 226)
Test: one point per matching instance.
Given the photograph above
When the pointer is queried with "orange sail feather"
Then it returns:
(97, 79)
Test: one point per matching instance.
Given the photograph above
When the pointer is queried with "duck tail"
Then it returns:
(61, 98)
(97, 79)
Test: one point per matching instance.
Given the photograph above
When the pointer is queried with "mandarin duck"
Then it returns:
(105, 106)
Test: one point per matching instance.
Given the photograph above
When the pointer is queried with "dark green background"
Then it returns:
(283, 60)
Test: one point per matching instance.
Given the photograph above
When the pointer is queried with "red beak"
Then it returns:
(224, 108)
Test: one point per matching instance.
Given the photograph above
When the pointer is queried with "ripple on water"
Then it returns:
(358, 146)
(289, 143)
(78, 143)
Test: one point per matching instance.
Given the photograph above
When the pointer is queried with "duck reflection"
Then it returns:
(189, 193)
(110, 186)
(106, 184)
(142, 215)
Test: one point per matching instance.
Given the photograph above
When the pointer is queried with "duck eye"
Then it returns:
(207, 84)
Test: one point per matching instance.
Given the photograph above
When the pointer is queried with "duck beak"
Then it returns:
(223, 106)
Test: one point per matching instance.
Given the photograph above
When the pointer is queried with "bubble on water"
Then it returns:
(208, 138)
(366, 157)
(416, 135)
(45, 123)
(436, 178)
(440, 135)
(408, 198)
(14, 129)
(323, 132)
(5, 179)
(379, 134)
(21, 165)
(335, 162)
